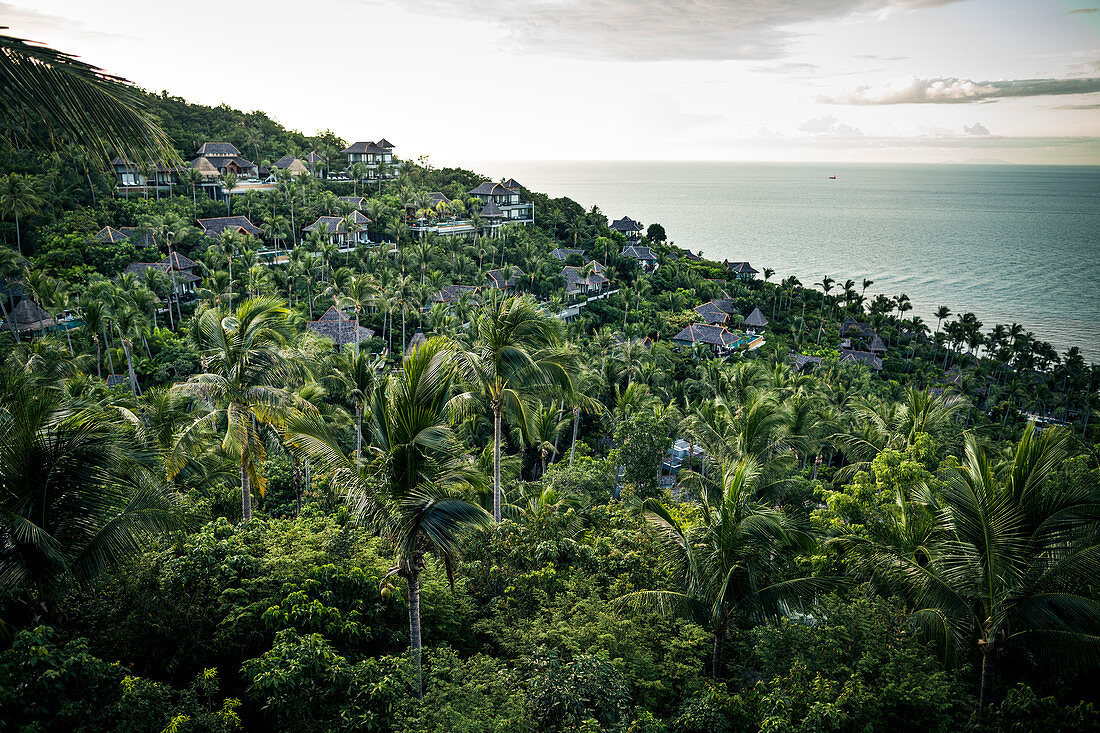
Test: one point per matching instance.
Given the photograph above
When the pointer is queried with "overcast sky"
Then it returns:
(473, 80)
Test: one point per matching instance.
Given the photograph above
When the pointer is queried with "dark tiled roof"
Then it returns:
(357, 201)
(214, 227)
(417, 339)
(117, 380)
(29, 316)
(576, 277)
(338, 327)
(220, 150)
(866, 357)
(626, 224)
(384, 144)
(801, 360)
(359, 218)
(725, 304)
(314, 157)
(741, 268)
(110, 234)
(711, 313)
(513, 184)
(563, 253)
(756, 318)
(136, 268)
(450, 293)
(492, 211)
(332, 223)
(496, 278)
(361, 147)
(488, 188)
(851, 324)
(877, 345)
(179, 262)
(699, 333)
(639, 253)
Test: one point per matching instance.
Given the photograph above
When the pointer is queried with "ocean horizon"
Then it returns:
(1010, 243)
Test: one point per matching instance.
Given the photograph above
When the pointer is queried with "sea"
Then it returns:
(1012, 244)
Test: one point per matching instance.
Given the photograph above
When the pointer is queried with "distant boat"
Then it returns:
(832, 178)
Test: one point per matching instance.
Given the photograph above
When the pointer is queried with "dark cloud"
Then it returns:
(976, 129)
(657, 30)
(948, 90)
(829, 126)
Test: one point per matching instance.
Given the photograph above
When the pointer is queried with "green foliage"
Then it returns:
(641, 442)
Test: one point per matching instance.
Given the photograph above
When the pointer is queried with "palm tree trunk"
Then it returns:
(716, 656)
(496, 461)
(110, 360)
(130, 368)
(18, 239)
(296, 472)
(414, 628)
(576, 423)
(358, 431)
(987, 683)
(246, 491)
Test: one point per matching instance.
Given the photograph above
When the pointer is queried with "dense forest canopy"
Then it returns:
(508, 502)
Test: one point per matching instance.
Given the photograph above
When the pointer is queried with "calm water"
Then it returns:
(1010, 243)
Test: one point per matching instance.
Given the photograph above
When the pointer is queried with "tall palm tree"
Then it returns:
(513, 352)
(998, 561)
(18, 194)
(11, 265)
(229, 182)
(356, 374)
(415, 497)
(728, 565)
(242, 382)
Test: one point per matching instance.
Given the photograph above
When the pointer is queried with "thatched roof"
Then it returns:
(338, 327)
(417, 339)
(205, 167)
(29, 316)
(626, 225)
(698, 333)
(756, 318)
(711, 313)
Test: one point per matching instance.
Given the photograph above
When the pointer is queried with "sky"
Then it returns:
(480, 80)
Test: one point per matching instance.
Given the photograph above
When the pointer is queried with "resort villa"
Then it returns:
(587, 281)
(742, 270)
(214, 227)
(432, 216)
(344, 231)
(376, 156)
(340, 329)
(627, 227)
(645, 256)
(502, 203)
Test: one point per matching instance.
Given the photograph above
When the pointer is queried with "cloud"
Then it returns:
(1083, 10)
(976, 129)
(1077, 106)
(34, 25)
(950, 90)
(876, 57)
(657, 30)
(830, 126)
(789, 67)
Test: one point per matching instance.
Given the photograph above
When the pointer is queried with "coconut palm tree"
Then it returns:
(77, 497)
(997, 562)
(728, 565)
(356, 374)
(241, 386)
(229, 182)
(49, 95)
(11, 265)
(413, 494)
(18, 194)
(513, 352)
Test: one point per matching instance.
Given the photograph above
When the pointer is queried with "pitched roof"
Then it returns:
(314, 157)
(110, 234)
(215, 226)
(136, 268)
(179, 262)
(639, 253)
(877, 345)
(291, 164)
(513, 184)
(417, 339)
(361, 147)
(756, 318)
(338, 327)
(576, 277)
(451, 293)
(801, 360)
(357, 201)
(626, 224)
(700, 333)
(205, 167)
(488, 188)
(332, 223)
(866, 357)
(725, 304)
(29, 316)
(491, 210)
(711, 313)
(359, 218)
(117, 380)
(221, 150)
(496, 278)
(741, 268)
(384, 144)
(564, 253)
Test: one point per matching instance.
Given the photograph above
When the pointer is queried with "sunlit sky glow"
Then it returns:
(473, 80)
